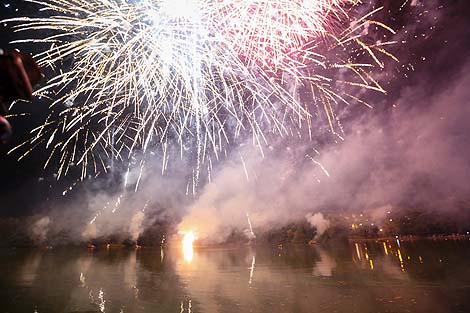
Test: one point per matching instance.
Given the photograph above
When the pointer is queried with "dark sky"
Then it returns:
(434, 48)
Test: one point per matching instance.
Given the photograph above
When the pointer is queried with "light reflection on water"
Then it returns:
(388, 276)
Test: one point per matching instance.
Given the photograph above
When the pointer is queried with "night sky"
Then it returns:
(427, 98)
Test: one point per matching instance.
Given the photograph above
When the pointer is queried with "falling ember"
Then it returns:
(188, 250)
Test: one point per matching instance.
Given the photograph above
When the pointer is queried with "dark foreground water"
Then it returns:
(421, 276)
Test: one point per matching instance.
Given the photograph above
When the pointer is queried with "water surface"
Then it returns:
(393, 276)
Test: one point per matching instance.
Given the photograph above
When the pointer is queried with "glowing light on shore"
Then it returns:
(188, 249)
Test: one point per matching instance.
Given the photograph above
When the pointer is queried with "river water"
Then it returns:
(376, 276)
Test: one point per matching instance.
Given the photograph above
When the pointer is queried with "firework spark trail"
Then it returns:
(199, 73)
(252, 234)
(273, 33)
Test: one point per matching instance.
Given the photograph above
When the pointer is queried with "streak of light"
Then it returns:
(244, 168)
(357, 251)
(401, 260)
(252, 234)
(252, 270)
(320, 165)
(102, 301)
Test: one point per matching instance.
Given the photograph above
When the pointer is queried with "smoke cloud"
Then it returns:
(40, 229)
(414, 156)
(319, 222)
(136, 227)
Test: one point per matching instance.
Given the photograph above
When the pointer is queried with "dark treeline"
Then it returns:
(18, 232)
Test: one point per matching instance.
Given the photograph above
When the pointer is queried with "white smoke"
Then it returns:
(136, 227)
(40, 229)
(90, 232)
(319, 222)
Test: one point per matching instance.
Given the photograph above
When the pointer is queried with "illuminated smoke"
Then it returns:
(136, 227)
(40, 229)
(318, 222)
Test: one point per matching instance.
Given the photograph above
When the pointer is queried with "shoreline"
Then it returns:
(414, 238)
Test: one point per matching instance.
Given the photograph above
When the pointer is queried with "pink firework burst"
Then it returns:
(275, 33)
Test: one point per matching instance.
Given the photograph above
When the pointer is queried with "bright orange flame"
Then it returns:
(188, 250)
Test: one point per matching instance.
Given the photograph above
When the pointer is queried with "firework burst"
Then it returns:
(279, 35)
(132, 76)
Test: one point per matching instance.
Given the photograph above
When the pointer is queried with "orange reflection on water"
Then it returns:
(401, 260)
(385, 248)
(357, 251)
